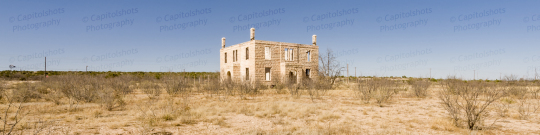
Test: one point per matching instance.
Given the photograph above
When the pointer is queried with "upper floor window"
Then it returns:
(267, 53)
(235, 55)
(225, 57)
(247, 53)
(286, 53)
(308, 56)
(289, 54)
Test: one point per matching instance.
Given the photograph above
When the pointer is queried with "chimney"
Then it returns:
(314, 40)
(223, 42)
(252, 35)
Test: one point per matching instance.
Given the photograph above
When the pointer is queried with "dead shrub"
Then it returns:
(527, 104)
(175, 86)
(121, 84)
(87, 88)
(380, 89)
(279, 86)
(467, 102)
(67, 85)
(386, 90)
(294, 89)
(151, 88)
(11, 120)
(420, 87)
(365, 90)
(527, 107)
(3, 87)
(229, 87)
(110, 99)
(247, 88)
(316, 88)
(24, 92)
(213, 87)
(310, 88)
(323, 85)
(503, 106)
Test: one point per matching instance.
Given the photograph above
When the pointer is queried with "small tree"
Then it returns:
(329, 66)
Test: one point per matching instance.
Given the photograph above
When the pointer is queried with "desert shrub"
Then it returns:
(67, 85)
(121, 84)
(316, 88)
(88, 89)
(365, 90)
(52, 93)
(527, 107)
(3, 87)
(213, 87)
(23, 92)
(503, 106)
(258, 86)
(526, 101)
(419, 87)
(386, 90)
(111, 99)
(151, 88)
(380, 89)
(535, 91)
(323, 85)
(310, 88)
(279, 86)
(245, 89)
(11, 120)
(177, 86)
(19, 76)
(294, 89)
(467, 102)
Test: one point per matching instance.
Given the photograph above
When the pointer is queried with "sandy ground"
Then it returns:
(337, 112)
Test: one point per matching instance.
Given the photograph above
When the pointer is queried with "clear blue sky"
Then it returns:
(379, 38)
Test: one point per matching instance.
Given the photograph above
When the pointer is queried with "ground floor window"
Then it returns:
(247, 73)
(307, 73)
(267, 73)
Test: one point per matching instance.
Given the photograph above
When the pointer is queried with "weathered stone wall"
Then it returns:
(257, 62)
(237, 68)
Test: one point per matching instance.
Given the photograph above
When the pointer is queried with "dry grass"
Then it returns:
(189, 107)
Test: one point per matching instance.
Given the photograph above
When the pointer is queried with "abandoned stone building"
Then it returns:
(268, 61)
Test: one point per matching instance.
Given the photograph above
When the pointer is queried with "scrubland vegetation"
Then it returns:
(200, 103)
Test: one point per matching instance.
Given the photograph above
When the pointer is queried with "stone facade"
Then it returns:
(250, 60)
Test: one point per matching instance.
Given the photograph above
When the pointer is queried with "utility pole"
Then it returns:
(86, 68)
(500, 76)
(429, 73)
(535, 74)
(45, 67)
(347, 73)
(474, 74)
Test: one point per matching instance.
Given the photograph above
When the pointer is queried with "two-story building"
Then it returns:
(266, 61)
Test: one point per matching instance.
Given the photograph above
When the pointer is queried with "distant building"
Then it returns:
(266, 61)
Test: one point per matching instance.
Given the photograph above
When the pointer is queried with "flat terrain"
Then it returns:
(336, 112)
